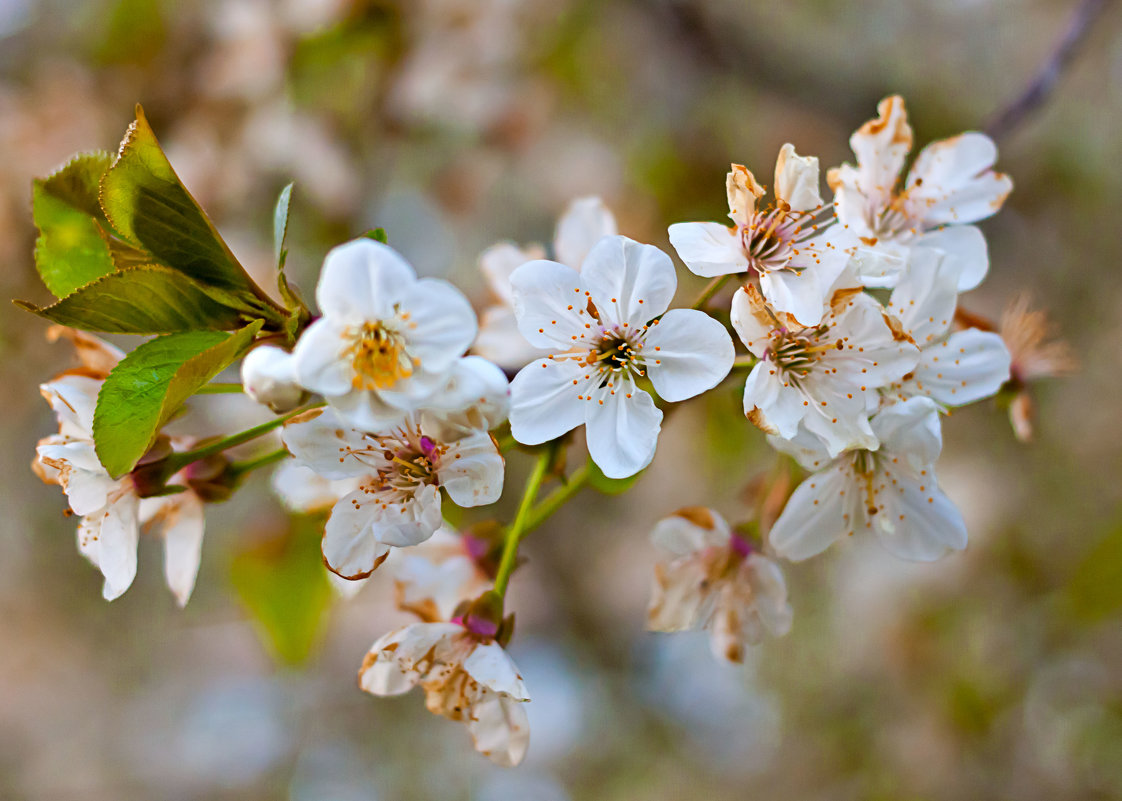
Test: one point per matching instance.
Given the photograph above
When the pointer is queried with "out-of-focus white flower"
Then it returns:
(797, 256)
(951, 183)
(111, 510)
(386, 340)
(955, 368)
(891, 492)
(714, 579)
(1026, 332)
(466, 676)
(304, 491)
(400, 472)
(433, 578)
(585, 222)
(822, 376)
(269, 377)
(605, 329)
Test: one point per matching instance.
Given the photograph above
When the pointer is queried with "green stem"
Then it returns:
(742, 362)
(713, 287)
(507, 443)
(556, 499)
(219, 388)
(177, 461)
(249, 465)
(515, 530)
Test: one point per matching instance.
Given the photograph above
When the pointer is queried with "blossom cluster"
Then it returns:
(395, 399)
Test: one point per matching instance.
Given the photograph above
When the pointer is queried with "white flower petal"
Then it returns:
(796, 179)
(73, 399)
(438, 323)
(551, 304)
(821, 511)
(390, 666)
(499, 727)
(471, 471)
(919, 524)
(321, 440)
(769, 590)
(801, 294)
(910, 429)
(585, 222)
(543, 400)
(364, 523)
(630, 282)
(709, 249)
(679, 535)
(881, 145)
(964, 247)
(623, 424)
(269, 377)
(967, 366)
(687, 353)
(952, 181)
(321, 358)
(475, 396)
(500, 260)
(751, 320)
(500, 341)
(118, 536)
(924, 301)
(181, 524)
(770, 405)
(304, 491)
(677, 596)
(490, 665)
(361, 280)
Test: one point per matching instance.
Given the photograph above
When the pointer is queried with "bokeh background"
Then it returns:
(995, 673)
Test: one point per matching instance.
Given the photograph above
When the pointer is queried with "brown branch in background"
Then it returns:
(1040, 87)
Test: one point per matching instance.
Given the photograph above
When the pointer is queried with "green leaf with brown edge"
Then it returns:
(151, 383)
(283, 584)
(144, 300)
(71, 250)
(147, 204)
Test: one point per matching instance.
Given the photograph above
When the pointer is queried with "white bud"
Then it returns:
(269, 378)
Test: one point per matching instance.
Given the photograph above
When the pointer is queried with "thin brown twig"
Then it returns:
(1044, 82)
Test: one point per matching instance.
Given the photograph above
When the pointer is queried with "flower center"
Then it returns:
(378, 357)
(617, 351)
(797, 353)
(771, 237)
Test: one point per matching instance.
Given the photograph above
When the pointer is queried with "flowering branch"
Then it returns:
(177, 461)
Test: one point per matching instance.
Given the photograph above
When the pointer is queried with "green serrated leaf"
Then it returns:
(144, 300)
(147, 204)
(280, 225)
(71, 250)
(284, 586)
(378, 235)
(609, 486)
(1094, 591)
(150, 384)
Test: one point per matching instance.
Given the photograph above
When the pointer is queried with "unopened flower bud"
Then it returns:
(269, 378)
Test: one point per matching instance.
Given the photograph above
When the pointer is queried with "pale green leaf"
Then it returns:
(151, 383)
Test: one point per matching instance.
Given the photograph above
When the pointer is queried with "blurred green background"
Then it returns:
(996, 673)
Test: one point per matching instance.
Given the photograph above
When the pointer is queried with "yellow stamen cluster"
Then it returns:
(379, 358)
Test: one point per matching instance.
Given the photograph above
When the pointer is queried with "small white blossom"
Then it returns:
(713, 578)
(111, 510)
(824, 376)
(797, 255)
(608, 325)
(433, 578)
(269, 377)
(386, 340)
(951, 183)
(955, 367)
(400, 473)
(466, 676)
(891, 492)
(585, 222)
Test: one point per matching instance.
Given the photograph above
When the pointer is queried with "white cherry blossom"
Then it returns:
(955, 367)
(111, 510)
(400, 473)
(585, 222)
(952, 183)
(891, 492)
(608, 326)
(713, 578)
(466, 676)
(797, 254)
(822, 376)
(386, 340)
